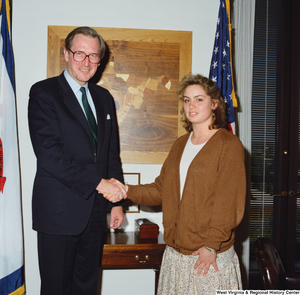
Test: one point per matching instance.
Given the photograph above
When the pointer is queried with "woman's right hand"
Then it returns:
(113, 190)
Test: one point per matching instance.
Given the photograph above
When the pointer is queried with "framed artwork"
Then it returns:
(142, 69)
(134, 179)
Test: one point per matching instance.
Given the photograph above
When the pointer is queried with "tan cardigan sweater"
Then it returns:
(213, 198)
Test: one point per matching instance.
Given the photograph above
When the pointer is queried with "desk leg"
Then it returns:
(156, 270)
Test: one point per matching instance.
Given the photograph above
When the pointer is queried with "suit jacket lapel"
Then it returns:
(71, 102)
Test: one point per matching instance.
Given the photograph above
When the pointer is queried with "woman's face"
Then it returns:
(198, 106)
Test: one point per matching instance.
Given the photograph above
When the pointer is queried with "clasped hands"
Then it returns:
(113, 190)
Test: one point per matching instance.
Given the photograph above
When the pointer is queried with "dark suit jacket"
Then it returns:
(67, 175)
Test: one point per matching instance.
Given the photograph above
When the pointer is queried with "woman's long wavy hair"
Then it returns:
(212, 90)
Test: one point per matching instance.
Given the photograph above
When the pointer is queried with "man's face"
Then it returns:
(82, 71)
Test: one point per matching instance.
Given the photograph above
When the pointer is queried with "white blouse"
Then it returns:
(189, 153)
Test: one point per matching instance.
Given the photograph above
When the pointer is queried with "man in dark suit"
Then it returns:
(74, 134)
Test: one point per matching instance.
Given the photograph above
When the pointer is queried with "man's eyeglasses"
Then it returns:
(94, 58)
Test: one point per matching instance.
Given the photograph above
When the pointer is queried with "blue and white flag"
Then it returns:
(11, 238)
(220, 68)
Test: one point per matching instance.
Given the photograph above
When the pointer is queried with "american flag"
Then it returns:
(220, 68)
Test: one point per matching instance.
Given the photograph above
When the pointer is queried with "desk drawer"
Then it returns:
(132, 258)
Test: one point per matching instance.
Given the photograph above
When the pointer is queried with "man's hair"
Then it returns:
(86, 31)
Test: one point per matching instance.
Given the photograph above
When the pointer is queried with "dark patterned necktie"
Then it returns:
(90, 117)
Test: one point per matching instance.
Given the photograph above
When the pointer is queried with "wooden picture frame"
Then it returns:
(142, 72)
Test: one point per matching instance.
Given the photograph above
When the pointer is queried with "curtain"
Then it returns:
(243, 16)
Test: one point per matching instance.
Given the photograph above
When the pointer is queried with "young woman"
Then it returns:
(202, 189)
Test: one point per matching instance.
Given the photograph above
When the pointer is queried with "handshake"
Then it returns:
(112, 190)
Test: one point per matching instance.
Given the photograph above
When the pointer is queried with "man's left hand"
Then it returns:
(116, 217)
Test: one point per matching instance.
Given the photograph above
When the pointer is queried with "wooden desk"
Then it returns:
(125, 251)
